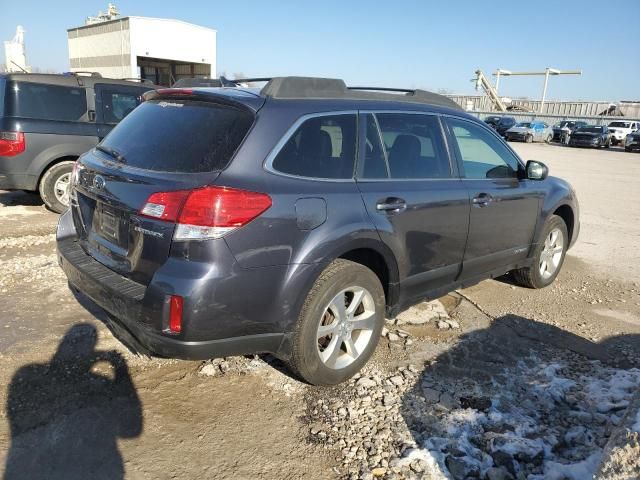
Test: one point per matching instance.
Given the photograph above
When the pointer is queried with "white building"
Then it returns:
(15, 57)
(157, 49)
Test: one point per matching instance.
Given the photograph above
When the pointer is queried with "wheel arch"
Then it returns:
(565, 212)
(373, 254)
(52, 163)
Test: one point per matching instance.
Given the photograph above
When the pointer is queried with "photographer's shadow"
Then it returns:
(66, 415)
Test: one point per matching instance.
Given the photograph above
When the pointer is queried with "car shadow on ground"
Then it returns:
(19, 198)
(66, 415)
(520, 398)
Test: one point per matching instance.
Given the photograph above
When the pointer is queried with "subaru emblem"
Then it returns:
(99, 182)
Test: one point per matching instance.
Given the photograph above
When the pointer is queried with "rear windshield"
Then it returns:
(45, 102)
(179, 136)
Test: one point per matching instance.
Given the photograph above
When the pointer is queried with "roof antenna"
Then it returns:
(19, 66)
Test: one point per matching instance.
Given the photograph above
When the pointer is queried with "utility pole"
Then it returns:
(497, 75)
(548, 71)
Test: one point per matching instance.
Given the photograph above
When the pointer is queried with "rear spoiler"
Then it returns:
(228, 97)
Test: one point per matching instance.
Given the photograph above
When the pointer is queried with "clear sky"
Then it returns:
(401, 43)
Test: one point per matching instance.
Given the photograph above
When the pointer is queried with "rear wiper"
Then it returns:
(112, 152)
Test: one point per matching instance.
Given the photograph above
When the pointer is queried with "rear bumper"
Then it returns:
(10, 181)
(140, 311)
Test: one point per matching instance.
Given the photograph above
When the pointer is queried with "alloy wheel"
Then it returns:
(551, 254)
(346, 327)
(61, 188)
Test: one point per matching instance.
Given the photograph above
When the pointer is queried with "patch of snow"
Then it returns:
(574, 471)
(544, 420)
(433, 462)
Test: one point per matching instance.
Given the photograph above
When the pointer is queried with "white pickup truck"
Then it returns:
(620, 129)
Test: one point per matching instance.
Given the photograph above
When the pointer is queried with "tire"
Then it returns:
(549, 139)
(528, 139)
(627, 149)
(607, 144)
(308, 349)
(532, 277)
(50, 184)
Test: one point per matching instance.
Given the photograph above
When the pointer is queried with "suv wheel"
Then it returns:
(549, 138)
(339, 325)
(54, 186)
(548, 257)
(528, 139)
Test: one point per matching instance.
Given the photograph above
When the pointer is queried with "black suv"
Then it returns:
(47, 121)
(292, 219)
(500, 124)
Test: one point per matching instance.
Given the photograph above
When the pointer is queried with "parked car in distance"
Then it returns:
(620, 129)
(566, 127)
(632, 142)
(293, 219)
(500, 124)
(591, 136)
(47, 121)
(530, 132)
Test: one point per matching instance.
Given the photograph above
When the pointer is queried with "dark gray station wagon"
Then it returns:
(292, 219)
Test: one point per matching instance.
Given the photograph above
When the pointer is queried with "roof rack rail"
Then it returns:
(381, 89)
(315, 87)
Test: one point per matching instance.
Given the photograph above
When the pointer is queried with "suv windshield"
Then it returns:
(179, 136)
(524, 125)
(620, 124)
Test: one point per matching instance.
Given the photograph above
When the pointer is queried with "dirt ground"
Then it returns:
(73, 398)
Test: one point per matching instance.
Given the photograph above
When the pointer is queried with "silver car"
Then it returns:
(530, 132)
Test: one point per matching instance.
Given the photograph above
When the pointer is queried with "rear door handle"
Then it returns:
(483, 200)
(391, 205)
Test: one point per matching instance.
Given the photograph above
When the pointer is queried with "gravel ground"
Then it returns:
(492, 382)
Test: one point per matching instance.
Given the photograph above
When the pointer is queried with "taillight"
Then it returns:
(164, 205)
(206, 213)
(12, 143)
(175, 313)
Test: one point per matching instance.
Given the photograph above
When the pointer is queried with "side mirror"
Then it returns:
(536, 170)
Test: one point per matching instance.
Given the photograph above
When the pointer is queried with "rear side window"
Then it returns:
(46, 102)
(180, 136)
(117, 104)
(413, 146)
(322, 147)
